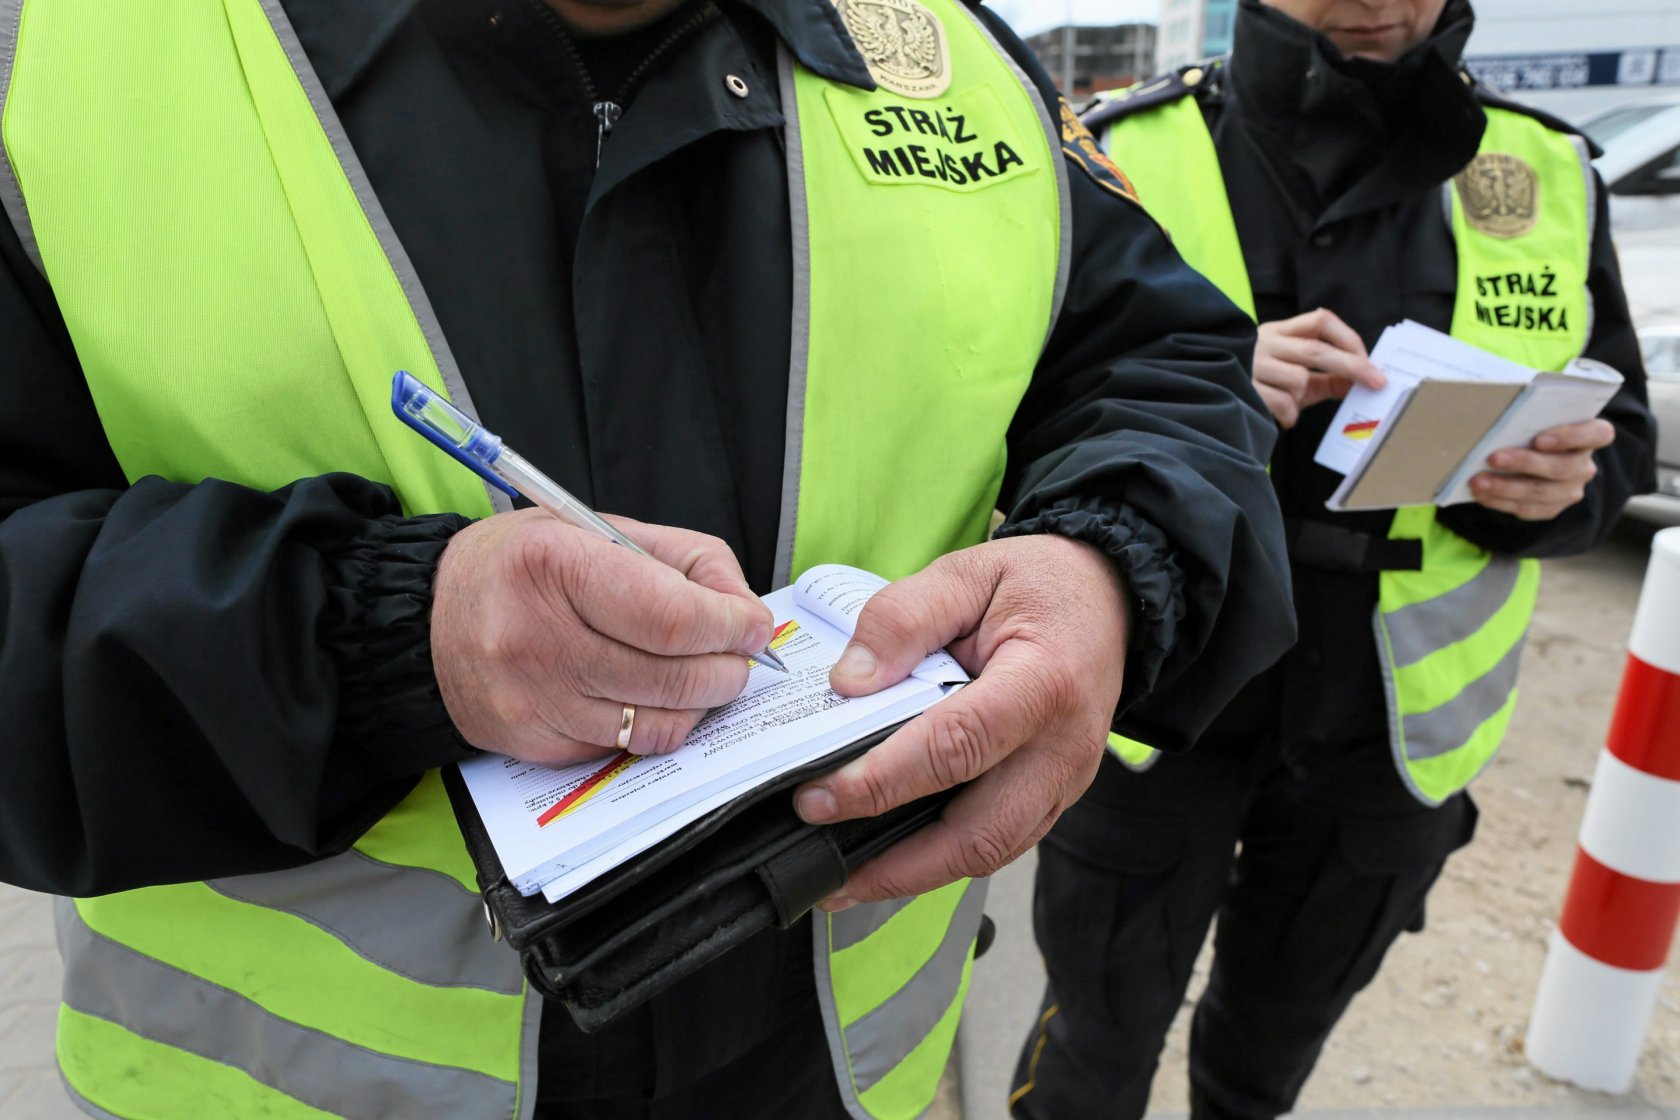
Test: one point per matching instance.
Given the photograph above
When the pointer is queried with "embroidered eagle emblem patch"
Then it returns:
(902, 43)
(1082, 148)
(1500, 194)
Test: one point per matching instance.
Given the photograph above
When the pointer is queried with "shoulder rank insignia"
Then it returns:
(1202, 79)
(1082, 148)
(1498, 192)
(902, 43)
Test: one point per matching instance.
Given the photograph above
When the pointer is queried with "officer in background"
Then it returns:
(1337, 173)
(788, 281)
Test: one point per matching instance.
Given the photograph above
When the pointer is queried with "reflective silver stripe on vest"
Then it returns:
(419, 924)
(1584, 154)
(1418, 630)
(11, 194)
(882, 1039)
(799, 357)
(159, 1002)
(1448, 727)
(86, 1105)
(430, 328)
(874, 1046)
(852, 926)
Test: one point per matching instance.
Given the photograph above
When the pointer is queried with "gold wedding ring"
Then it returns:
(626, 724)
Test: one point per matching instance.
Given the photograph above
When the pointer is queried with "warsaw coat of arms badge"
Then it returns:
(1500, 194)
(902, 42)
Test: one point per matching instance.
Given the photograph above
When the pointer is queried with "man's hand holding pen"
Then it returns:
(544, 636)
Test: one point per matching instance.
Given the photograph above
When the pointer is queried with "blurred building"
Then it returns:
(1083, 60)
(1192, 30)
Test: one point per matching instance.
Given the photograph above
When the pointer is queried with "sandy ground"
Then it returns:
(1443, 1023)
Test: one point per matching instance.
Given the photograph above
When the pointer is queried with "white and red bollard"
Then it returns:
(1605, 964)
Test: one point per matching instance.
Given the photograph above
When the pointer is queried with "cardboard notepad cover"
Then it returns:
(1440, 423)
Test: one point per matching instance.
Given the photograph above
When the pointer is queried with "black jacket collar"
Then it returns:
(342, 37)
(1285, 68)
(1350, 135)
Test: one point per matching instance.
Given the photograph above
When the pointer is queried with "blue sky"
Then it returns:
(1029, 16)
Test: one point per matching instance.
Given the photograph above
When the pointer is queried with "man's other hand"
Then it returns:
(1538, 482)
(542, 633)
(1310, 358)
(1041, 621)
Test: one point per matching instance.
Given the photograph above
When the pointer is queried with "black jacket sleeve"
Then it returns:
(194, 680)
(1626, 468)
(1142, 433)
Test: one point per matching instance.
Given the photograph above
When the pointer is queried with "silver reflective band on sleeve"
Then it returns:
(1450, 726)
(1418, 630)
(430, 328)
(11, 194)
(882, 1039)
(161, 1003)
(799, 356)
(419, 924)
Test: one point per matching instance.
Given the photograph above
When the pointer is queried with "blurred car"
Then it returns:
(1661, 347)
(1641, 171)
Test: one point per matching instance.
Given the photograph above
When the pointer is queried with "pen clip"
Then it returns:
(412, 399)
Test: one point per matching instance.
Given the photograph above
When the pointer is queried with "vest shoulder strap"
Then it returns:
(1493, 99)
(1162, 135)
(1199, 79)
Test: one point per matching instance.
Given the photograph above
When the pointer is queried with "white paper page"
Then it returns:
(777, 717)
(836, 593)
(1407, 353)
(1549, 402)
(729, 754)
(572, 880)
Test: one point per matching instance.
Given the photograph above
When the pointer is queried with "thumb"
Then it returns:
(907, 620)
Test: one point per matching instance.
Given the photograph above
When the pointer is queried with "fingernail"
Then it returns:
(1498, 459)
(836, 904)
(857, 663)
(758, 636)
(816, 806)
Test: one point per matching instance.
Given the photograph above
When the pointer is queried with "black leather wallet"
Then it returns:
(687, 900)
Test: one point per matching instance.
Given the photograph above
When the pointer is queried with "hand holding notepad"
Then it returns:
(556, 829)
(1447, 407)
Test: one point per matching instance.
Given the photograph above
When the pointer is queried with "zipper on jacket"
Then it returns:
(606, 115)
(609, 110)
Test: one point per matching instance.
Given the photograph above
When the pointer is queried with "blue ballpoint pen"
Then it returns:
(502, 467)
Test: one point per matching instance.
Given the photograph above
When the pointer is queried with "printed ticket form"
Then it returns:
(556, 829)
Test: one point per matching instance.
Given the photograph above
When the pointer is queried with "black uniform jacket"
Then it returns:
(203, 680)
(1334, 169)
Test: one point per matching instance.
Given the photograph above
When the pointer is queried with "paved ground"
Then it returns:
(29, 976)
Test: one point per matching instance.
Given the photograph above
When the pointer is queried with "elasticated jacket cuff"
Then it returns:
(378, 629)
(1143, 557)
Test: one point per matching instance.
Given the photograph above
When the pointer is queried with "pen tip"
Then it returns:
(768, 658)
